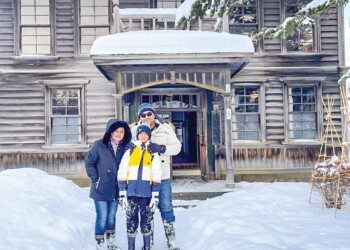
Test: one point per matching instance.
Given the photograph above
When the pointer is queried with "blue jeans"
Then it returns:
(165, 201)
(105, 216)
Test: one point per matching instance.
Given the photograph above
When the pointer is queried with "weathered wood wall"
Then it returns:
(22, 95)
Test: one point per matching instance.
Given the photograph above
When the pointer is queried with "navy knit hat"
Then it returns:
(145, 107)
(143, 128)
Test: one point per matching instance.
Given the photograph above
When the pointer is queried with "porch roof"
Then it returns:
(171, 42)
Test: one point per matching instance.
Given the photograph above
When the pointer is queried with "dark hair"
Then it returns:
(115, 125)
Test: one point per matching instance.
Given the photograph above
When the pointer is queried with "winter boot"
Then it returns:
(170, 235)
(100, 242)
(146, 242)
(131, 242)
(111, 240)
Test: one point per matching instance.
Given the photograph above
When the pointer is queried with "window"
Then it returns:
(246, 117)
(172, 101)
(168, 3)
(66, 116)
(302, 113)
(303, 39)
(35, 27)
(243, 19)
(94, 22)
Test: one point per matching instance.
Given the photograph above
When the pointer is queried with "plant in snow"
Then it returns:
(344, 77)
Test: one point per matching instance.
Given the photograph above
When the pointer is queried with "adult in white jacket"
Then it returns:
(164, 142)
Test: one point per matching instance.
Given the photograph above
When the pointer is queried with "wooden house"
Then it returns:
(244, 114)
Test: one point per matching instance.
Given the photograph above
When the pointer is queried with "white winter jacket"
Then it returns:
(164, 134)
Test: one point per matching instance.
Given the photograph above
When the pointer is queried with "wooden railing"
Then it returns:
(155, 19)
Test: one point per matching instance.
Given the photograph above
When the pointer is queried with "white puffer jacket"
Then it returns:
(164, 134)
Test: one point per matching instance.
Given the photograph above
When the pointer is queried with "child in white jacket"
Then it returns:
(139, 178)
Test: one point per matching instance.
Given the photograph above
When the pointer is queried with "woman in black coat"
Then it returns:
(102, 163)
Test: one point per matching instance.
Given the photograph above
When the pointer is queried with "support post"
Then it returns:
(230, 183)
(118, 96)
(116, 17)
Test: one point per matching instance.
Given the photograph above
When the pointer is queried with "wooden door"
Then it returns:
(202, 143)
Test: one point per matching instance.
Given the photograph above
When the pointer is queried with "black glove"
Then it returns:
(130, 145)
(156, 148)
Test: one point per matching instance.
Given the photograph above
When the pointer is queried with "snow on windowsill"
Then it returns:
(147, 11)
(303, 142)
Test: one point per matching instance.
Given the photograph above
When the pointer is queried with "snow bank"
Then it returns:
(264, 216)
(42, 211)
(171, 42)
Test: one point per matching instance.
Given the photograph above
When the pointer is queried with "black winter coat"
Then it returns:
(102, 164)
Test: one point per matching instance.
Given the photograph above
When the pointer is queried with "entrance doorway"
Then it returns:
(185, 123)
(183, 108)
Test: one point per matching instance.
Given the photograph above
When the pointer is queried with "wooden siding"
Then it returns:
(22, 115)
(329, 33)
(274, 111)
(64, 10)
(100, 108)
(271, 18)
(7, 28)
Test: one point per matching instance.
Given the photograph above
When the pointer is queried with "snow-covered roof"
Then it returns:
(171, 42)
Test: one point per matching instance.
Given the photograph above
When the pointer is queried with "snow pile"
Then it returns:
(264, 216)
(171, 42)
(42, 211)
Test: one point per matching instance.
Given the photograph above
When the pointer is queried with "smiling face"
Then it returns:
(143, 137)
(148, 117)
(118, 134)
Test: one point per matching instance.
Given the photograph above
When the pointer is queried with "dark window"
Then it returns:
(303, 38)
(243, 19)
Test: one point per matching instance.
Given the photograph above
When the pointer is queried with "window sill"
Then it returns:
(238, 144)
(303, 143)
(295, 54)
(35, 58)
(66, 147)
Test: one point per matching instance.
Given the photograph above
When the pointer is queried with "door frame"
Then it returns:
(202, 133)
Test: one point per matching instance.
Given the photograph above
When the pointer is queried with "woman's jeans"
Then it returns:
(165, 201)
(105, 216)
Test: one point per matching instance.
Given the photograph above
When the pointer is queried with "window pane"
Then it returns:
(252, 136)
(302, 113)
(74, 121)
(59, 121)
(59, 139)
(59, 129)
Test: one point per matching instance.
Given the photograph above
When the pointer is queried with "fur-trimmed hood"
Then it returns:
(112, 125)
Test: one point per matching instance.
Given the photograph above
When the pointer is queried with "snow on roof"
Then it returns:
(171, 42)
(147, 11)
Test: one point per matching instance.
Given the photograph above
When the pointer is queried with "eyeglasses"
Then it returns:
(144, 115)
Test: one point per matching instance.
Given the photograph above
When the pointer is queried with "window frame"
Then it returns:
(303, 82)
(315, 31)
(259, 16)
(60, 84)
(51, 25)
(79, 26)
(262, 113)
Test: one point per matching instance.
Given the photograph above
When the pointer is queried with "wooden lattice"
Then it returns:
(331, 175)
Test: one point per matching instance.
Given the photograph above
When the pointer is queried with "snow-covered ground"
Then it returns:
(41, 211)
